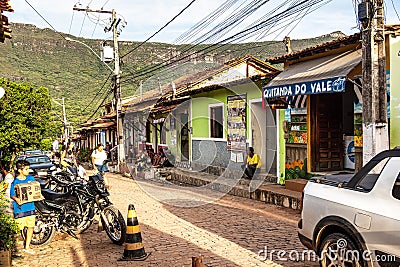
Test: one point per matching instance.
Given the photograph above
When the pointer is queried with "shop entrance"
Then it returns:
(326, 132)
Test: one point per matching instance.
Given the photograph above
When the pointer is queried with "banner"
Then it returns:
(237, 133)
(331, 85)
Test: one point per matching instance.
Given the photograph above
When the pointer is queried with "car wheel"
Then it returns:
(338, 249)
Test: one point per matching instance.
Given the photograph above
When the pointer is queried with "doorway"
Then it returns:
(260, 139)
(326, 132)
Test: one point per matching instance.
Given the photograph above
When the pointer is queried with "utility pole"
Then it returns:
(117, 76)
(65, 120)
(375, 124)
(117, 89)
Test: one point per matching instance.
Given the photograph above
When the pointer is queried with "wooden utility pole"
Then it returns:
(375, 126)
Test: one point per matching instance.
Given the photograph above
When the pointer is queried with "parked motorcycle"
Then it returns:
(74, 210)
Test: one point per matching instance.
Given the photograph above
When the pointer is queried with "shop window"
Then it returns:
(216, 119)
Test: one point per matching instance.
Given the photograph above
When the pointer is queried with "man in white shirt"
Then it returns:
(99, 155)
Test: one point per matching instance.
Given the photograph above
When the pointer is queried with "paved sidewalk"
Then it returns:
(261, 189)
(177, 224)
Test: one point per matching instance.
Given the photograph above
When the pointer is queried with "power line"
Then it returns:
(83, 22)
(301, 6)
(51, 26)
(395, 10)
(102, 102)
(101, 88)
(177, 15)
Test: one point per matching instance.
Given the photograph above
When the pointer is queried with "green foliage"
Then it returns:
(71, 71)
(45, 144)
(84, 155)
(24, 116)
(9, 227)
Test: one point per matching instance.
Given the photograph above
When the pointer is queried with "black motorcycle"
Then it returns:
(74, 210)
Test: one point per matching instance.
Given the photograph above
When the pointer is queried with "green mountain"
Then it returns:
(71, 71)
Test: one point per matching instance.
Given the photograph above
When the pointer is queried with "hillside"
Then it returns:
(72, 71)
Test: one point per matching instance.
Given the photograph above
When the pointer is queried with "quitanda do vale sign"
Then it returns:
(331, 85)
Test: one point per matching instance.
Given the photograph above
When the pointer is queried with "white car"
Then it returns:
(354, 220)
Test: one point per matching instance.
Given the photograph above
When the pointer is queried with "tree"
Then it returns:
(24, 117)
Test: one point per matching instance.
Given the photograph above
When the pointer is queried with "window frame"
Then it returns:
(210, 106)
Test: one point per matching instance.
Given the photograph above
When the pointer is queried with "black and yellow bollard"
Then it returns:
(133, 250)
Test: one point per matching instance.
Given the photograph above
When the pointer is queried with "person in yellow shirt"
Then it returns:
(253, 163)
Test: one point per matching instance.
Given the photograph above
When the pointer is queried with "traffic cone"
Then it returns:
(133, 249)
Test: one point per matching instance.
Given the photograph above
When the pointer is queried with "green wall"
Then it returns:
(200, 102)
(394, 92)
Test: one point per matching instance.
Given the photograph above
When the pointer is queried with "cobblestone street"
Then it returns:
(228, 232)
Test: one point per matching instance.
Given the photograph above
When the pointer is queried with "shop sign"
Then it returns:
(160, 120)
(331, 85)
(278, 103)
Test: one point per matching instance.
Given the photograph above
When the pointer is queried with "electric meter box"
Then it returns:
(107, 54)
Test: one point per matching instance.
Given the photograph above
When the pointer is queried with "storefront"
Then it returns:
(319, 120)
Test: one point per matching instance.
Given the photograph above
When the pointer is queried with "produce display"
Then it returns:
(297, 169)
(298, 130)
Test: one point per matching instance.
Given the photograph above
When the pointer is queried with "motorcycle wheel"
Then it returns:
(42, 233)
(115, 226)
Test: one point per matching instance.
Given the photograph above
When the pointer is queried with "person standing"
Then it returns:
(8, 179)
(55, 148)
(253, 164)
(99, 155)
(68, 159)
(23, 213)
(108, 150)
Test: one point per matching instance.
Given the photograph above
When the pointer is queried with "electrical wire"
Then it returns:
(51, 26)
(238, 36)
(206, 21)
(157, 67)
(83, 22)
(101, 104)
(154, 34)
(72, 19)
(98, 93)
(105, 4)
(395, 10)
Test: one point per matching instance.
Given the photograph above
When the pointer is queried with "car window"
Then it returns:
(43, 160)
(369, 180)
(396, 188)
(31, 160)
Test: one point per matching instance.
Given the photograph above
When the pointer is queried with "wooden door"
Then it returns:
(327, 140)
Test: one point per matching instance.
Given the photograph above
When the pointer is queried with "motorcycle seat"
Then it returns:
(51, 195)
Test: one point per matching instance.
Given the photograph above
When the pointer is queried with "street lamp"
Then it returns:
(76, 41)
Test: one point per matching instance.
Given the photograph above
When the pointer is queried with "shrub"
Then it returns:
(9, 227)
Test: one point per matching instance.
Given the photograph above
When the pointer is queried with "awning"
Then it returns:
(103, 125)
(321, 75)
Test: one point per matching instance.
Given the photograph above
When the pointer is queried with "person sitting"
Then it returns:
(140, 162)
(159, 158)
(253, 164)
(169, 158)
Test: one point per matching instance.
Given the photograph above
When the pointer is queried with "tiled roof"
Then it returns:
(352, 39)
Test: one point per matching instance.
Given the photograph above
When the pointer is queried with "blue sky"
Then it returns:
(145, 17)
